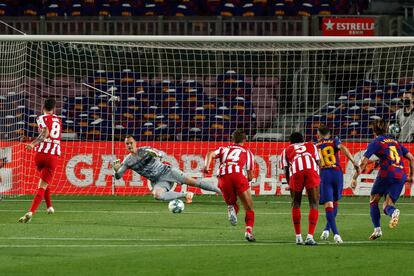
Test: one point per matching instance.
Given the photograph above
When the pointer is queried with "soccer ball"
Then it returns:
(176, 206)
(394, 129)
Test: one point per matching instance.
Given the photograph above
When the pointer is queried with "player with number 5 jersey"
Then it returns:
(391, 176)
(234, 173)
(300, 160)
(47, 148)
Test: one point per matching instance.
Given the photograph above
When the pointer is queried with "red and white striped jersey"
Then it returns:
(234, 159)
(299, 157)
(51, 145)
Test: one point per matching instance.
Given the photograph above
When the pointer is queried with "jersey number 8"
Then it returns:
(55, 131)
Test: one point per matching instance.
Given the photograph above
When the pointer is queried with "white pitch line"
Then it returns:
(104, 239)
(191, 213)
(175, 240)
(139, 201)
(187, 212)
(264, 243)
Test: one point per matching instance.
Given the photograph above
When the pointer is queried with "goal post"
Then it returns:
(185, 95)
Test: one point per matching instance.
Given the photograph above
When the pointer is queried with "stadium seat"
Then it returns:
(252, 8)
(54, 10)
(326, 7)
(5, 9)
(27, 10)
(279, 8)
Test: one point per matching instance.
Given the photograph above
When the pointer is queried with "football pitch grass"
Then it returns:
(139, 236)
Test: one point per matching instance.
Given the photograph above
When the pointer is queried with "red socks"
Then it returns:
(37, 200)
(249, 219)
(47, 198)
(313, 219)
(236, 208)
(296, 220)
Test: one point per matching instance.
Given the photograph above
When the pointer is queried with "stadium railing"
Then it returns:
(293, 26)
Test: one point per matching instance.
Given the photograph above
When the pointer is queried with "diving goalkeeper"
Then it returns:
(146, 161)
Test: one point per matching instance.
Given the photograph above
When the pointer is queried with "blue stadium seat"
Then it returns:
(252, 8)
(228, 9)
(326, 7)
(27, 10)
(5, 9)
(54, 10)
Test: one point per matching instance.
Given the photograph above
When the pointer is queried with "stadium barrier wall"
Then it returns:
(85, 172)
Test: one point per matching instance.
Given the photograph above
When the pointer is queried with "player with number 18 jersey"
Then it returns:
(332, 179)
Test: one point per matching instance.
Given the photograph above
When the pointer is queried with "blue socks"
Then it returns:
(335, 210)
(375, 214)
(389, 209)
(330, 218)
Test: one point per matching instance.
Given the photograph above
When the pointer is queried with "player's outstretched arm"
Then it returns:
(42, 136)
(153, 152)
(119, 168)
(207, 162)
(410, 158)
(350, 157)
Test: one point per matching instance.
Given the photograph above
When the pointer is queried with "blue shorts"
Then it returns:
(332, 184)
(388, 186)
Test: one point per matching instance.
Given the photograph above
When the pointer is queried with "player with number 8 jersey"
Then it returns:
(47, 148)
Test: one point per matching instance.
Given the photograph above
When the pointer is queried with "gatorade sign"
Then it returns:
(348, 26)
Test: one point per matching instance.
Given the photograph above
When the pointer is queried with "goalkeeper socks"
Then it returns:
(389, 209)
(47, 198)
(249, 219)
(296, 220)
(37, 200)
(167, 196)
(208, 186)
(375, 214)
(330, 218)
(312, 220)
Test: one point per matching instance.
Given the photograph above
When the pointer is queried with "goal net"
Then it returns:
(185, 96)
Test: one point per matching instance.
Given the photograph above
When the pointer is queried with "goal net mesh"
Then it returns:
(186, 99)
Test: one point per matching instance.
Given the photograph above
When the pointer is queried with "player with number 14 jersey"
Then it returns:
(234, 173)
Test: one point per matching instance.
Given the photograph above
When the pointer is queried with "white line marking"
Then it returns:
(140, 201)
(104, 239)
(186, 212)
(263, 243)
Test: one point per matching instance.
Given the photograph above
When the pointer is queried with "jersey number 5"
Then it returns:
(300, 148)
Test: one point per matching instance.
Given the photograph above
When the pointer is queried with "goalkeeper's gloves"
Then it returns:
(116, 165)
(153, 153)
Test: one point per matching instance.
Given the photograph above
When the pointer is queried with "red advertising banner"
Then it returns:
(348, 26)
(84, 168)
